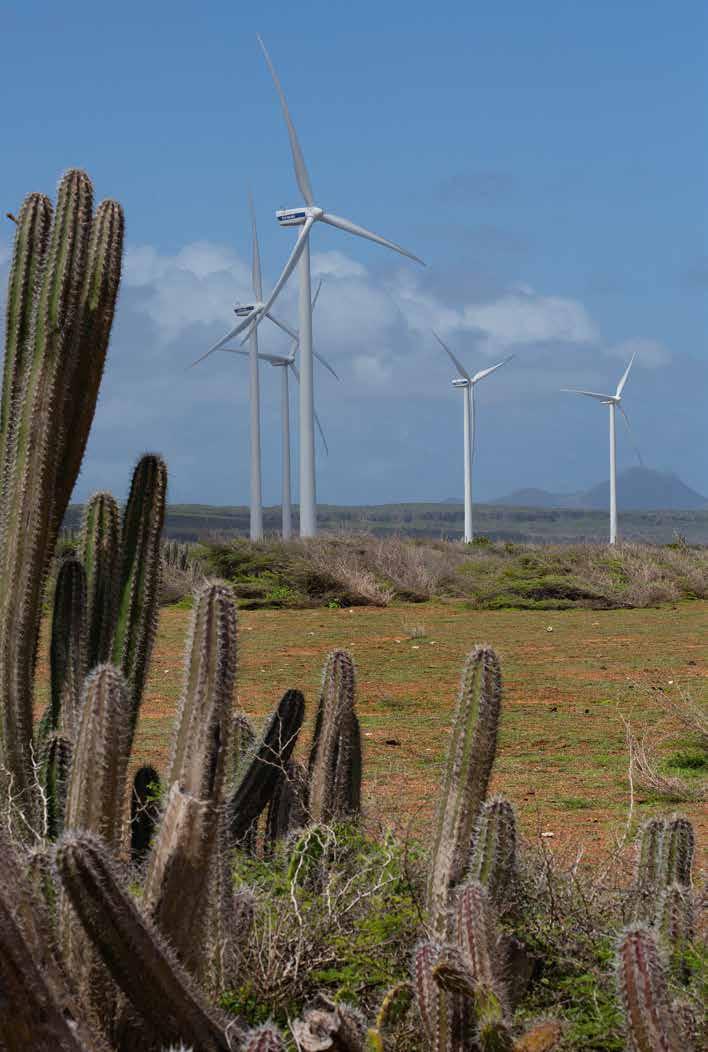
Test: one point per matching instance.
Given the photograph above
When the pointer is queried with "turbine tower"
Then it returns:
(468, 384)
(304, 217)
(286, 363)
(614, 402)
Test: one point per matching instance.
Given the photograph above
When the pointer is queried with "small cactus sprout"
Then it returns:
(200, 746)
(55, 768)
(493, 855)
(644, 995)
(100, 554)
(335, 757)
(139, 580)
(170, 1007)
(258, 775)
(327, 1025)
(144, 812)
(395, 1005)
(67, 650)
(471, 754)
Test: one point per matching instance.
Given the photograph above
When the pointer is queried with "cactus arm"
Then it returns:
(67, 651)
(140, 575)
(100, 554)
(159, 990)
(259, 775)
(493, 855)
(469, 766)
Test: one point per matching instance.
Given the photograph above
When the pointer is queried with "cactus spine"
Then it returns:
(45, 355)
(644, 995)
(67, 652)
(140, 576)
(258, 776)
(335, 757)
(470, 759)
(100, 554)
(170, 1007)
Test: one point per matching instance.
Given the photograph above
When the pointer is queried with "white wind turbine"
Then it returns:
(614, 402)
(468, 384)
(286, 363)
(304, 217)
(246, 311)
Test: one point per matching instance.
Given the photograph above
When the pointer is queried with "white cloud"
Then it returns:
(337, 265)
(650, 353)
(372, 371)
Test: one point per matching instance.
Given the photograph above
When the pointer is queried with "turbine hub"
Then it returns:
(298, 216)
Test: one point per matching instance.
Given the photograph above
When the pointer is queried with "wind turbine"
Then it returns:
(286, 363)
(304, 217)
(614, 402)
(468, 383)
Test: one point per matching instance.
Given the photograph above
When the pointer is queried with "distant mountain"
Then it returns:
(638, 489)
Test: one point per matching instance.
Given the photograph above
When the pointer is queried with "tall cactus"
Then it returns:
(170, 1007)
(100, 554)
(50, 346)
(55, 767)
(140, 576)
(67, 652)
(335, 756)
(644, 995)
(471, 755)
(258, 775)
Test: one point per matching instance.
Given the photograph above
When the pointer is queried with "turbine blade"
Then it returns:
(325, 363)
(623, 381)
(234, 350)
(287, 271)
(631, 435)
(589, 394)
(303, 179)
(321, 431)
(317, 292)
(360, 231)
(455, 362)
(256, 266)
(281, 325)
(229, 336)
(492, 369)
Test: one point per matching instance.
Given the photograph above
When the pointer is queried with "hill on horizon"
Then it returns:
(638, 489)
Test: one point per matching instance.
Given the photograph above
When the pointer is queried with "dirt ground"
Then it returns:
(570, 678)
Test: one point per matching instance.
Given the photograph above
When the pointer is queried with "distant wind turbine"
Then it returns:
(305, 217)
(614, 402)
(286, 363)
(468, 384)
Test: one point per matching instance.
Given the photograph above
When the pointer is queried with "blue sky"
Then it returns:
(548, 161)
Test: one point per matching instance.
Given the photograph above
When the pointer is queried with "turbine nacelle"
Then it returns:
(298, 216)
(460, 383)
(246, 309)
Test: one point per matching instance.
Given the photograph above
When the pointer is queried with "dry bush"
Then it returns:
(346, 564)
(644, 772)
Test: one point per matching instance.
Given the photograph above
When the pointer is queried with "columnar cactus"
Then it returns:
(177, 884)
(675, 925)
(471, 755)
(55, 767)
(139, 585)
(644, 995)
(170, 1007)
(58, 321)
(493, 855)
(335, 757)
(677, 849)
(200, 745)
(477, 938)
(67, 652)
(100, 554)
(447, 1016)
(287, 810)
(258, 775)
